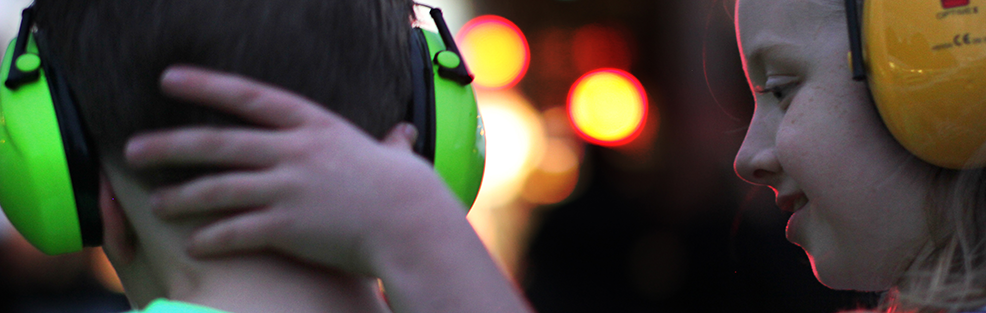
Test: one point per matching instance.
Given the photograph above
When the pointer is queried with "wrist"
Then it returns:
(438, 264)
(418, 232)
(419, 220)
(450, 273)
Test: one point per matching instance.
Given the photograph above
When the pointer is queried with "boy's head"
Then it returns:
(351, 56)
(348, 55)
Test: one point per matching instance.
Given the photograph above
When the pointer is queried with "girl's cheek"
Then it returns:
(787, 139)
(796, 141)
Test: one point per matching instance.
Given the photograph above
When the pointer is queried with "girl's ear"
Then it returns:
(117, 236)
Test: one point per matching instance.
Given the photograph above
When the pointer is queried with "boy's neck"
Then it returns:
(244, 283)
(274, 284)
(251, 283)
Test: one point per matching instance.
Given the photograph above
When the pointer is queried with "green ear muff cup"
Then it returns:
(35, 188)
(460, 145)
(445, 112)
(47, 190)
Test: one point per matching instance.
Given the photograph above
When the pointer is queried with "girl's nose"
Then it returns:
(756, 162)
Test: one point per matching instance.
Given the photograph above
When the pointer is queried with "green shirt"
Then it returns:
(168, 306)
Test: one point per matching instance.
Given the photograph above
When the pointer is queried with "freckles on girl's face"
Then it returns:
(856, 195)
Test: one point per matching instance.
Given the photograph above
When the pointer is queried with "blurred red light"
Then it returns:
(597, 46)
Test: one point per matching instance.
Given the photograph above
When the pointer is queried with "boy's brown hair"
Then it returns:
(351, 56)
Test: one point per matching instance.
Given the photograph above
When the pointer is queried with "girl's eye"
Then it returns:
(780, 92)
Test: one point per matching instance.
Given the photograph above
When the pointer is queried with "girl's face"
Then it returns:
(817, 141)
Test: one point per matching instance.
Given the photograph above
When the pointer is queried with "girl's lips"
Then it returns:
(796, 223)
(791, 202)
(800, 203)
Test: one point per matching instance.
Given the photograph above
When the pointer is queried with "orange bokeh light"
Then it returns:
(495, 50)
(104, 271)
(608, 107)
(555, 178)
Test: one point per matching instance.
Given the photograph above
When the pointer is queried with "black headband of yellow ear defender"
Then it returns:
(855, 40)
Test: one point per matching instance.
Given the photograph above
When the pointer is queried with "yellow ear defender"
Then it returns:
(925, 61)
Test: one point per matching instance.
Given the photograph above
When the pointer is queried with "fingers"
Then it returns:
(250, 232)
(218, 194)
(256, 102)
(204, 147)
(402, 137)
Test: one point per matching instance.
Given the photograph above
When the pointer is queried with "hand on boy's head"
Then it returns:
(308, 183)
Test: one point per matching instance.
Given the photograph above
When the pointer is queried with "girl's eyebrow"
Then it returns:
(763, 48)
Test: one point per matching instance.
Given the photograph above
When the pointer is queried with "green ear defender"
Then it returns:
(48, 173)
(444, 110)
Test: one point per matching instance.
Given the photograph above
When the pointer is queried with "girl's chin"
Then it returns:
(836, 276)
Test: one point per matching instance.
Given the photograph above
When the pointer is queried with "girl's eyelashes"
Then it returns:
(780, 90)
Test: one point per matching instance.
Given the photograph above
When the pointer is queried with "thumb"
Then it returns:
(402, 137)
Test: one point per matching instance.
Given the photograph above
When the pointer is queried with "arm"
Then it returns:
(310, 185)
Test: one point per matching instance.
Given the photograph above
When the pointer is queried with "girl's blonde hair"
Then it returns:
(949, 275)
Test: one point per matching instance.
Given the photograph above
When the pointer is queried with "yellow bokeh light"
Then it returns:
(495, 50)
(515, 141)
(608, 107)
(515, 146)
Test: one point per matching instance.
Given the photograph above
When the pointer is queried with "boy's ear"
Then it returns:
(117, 239)
(402, 137)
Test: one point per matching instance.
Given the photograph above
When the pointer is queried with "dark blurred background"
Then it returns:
(656, 223)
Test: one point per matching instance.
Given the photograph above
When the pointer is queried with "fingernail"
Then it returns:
(134, 148)
(173, 76)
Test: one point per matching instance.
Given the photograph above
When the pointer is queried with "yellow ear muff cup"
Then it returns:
(926, 64)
